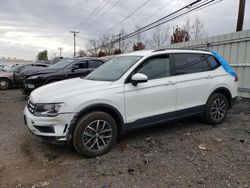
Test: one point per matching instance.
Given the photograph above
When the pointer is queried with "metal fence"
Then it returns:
(235, 48)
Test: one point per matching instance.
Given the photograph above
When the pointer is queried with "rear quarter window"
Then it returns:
(212, 62)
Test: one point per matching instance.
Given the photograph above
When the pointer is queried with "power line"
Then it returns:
(158, 11)
(91, 13)
(97, 12)
(143, 29)
(106, 12)
(162, 21)
(131, 14)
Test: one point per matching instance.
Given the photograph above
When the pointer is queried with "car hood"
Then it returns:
(30, 71)
(56, 92)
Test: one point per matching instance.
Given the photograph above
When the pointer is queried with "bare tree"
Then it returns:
(139, 37)
(195, 28)
(187, 26)
(93, 47)
(198, 29)
(107, 43)
(82, 53)
(160, 37)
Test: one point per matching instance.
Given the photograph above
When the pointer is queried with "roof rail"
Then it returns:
(187, 48)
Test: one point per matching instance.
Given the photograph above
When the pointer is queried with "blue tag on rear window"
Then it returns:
(224, 63)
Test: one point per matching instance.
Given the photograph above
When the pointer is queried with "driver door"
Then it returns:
(154, 99)
(78, 69)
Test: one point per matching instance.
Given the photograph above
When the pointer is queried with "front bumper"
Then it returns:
(28, 88)
(57, 127)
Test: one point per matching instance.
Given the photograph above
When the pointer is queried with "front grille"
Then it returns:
(31, 107)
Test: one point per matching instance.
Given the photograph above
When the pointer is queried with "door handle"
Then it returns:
(170, 83)
(209, 76)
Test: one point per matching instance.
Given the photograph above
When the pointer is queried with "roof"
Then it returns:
(167, 50)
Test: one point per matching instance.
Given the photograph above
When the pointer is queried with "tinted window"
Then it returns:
(82, 65)
(212, 62)
(205, 64)
(62, 64)
(95, 63)
(157, 67)
(187, 63)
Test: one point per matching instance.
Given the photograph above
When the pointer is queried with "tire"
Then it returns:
(95, 134)
(5, 83)
(216, 109)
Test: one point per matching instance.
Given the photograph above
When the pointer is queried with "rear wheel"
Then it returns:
(4, 83)
(216, 109)
(95, 134)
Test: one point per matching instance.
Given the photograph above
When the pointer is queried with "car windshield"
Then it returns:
(6, 68)
(62, 64)
(113, 69)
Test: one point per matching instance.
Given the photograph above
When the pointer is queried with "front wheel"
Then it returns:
(4, 83)
(216, 109)
(95, 134)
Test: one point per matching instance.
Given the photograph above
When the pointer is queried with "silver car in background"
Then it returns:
(6, 79)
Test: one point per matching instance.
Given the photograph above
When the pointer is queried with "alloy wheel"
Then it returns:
(97, 135)
(218, 109)
(3, 84)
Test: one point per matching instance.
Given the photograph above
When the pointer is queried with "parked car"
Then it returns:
(6, 79)
(132, 91)
(18, 77)
(65, 69)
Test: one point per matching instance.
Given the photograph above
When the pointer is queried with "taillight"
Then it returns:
(236, 78)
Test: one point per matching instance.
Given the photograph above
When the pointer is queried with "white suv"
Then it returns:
(131, 91)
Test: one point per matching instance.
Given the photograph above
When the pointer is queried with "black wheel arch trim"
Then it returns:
(101, 107)
(6, 79)
(225, 91)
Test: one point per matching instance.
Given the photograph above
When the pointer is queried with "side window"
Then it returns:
(95, 63)
(213, 63)
(156, 67)
(205, 64)
(187, 63)
(82, 65)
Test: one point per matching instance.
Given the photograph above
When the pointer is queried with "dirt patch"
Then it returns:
(187, 153)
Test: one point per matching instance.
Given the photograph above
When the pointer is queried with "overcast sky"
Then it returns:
(29, 26)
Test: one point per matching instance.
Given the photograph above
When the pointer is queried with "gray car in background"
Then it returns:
(6, 79)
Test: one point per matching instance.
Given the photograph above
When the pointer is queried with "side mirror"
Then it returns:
(138, 78)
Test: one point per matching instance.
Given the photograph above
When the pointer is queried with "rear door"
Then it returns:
(194, 79)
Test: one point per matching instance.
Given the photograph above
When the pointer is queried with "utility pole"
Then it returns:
(60, 51)
(74, 32)
(241, 15)
(119, 39)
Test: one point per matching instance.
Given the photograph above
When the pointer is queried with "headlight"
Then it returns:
(33, 77)
(49, 110)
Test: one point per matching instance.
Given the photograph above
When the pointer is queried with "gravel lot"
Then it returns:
(181, 154)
